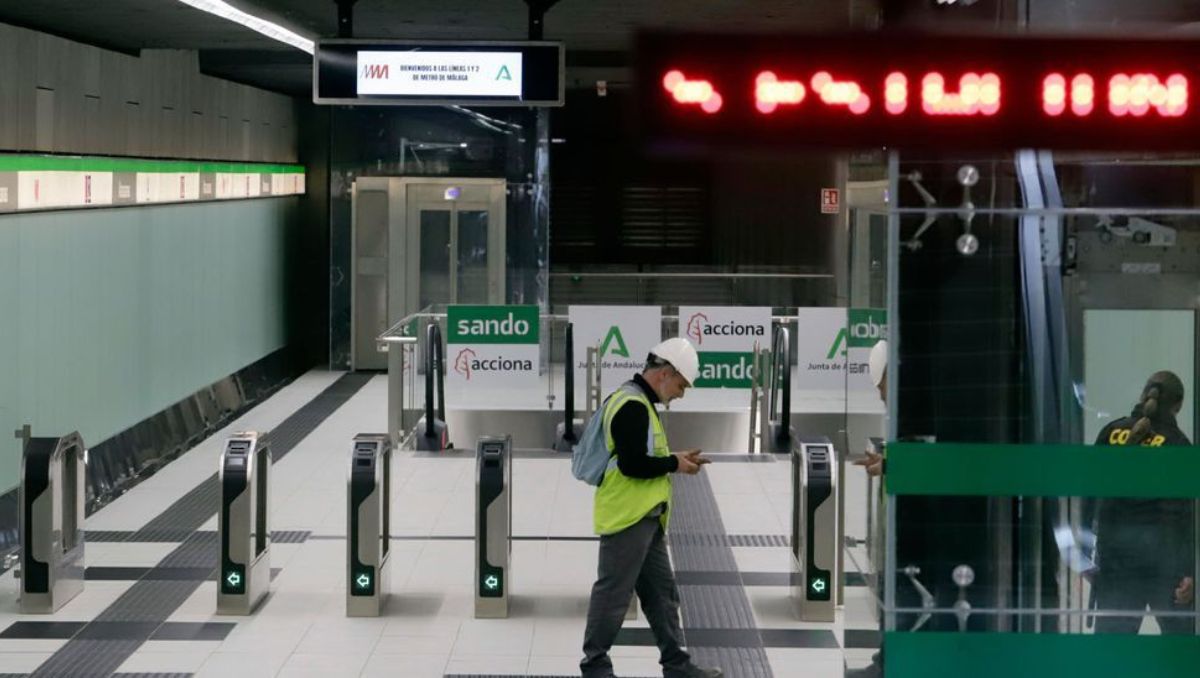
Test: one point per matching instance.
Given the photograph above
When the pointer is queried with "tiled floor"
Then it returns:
(428, 628)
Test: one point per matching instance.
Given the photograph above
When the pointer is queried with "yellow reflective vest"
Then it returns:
(622, 501)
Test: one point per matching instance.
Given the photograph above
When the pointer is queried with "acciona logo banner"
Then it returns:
(833, 346)
(624, 335)
(726, 338)
(492, 346)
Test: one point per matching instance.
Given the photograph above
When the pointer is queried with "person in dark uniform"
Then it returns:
(1145, 550)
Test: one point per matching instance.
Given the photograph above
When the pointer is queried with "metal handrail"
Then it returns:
(398, 330)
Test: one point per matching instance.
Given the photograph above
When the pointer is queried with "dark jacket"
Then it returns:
(630, 430)
(1144, 530)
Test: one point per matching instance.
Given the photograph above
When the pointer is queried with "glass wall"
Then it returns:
(510, 144)
(1040, 496)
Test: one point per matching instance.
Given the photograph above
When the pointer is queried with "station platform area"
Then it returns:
(149, 606)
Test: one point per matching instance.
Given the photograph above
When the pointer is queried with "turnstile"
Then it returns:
(243, 525)
(51, 507)
(815, 528)
(493, 526)
(369, 493)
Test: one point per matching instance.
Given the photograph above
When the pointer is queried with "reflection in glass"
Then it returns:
(1144, 550)
(435, 257)
(472, 257)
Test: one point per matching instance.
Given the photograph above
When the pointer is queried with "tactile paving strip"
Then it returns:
(133, 617)
(716, 540)
(115, 675)
(175, 536)
(698, 542)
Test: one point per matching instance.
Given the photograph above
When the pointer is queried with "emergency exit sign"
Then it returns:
(830, 201)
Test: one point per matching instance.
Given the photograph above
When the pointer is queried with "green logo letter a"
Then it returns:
(614, 332)
(838, 341)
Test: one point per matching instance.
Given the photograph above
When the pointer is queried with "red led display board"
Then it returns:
(920, 91)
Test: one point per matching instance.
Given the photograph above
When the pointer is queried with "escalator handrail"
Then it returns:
(781, 381)
(441, 375)
(569, 385)
(434, 369)
(430, 337)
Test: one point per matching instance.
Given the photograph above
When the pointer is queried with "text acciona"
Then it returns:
(732, 329)
(500, 364)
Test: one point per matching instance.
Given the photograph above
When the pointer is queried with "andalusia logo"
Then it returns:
(462, 363)
(614, 334)
(695, 327)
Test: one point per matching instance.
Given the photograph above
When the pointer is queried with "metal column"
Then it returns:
(368, 495)
(51, 507)
(493, 526)
(815, 539)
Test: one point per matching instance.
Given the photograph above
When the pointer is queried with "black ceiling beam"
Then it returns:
(537, 17)
(345, 21)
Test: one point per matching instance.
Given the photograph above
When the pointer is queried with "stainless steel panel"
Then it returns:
(8, 191)
(248, 527)
(369, 271)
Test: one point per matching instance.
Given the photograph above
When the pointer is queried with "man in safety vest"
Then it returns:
(632, 507)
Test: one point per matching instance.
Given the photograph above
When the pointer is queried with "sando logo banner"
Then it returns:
(493, 346)
(726, 338)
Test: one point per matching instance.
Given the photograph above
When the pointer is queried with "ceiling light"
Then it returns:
(271, 30)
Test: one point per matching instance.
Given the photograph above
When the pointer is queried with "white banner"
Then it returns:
(726, 338)
(475, 366)
(492, 348)
(832, 351)
(821, 349)
(625, 334)
(440, 73)
(63, 189)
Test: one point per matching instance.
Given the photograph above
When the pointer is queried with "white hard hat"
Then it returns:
(877, 363)
(680, 353)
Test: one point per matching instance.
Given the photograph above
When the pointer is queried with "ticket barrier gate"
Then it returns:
(815, 528)
(493, 526)
(369, 492)
(51, 506)
(244, 528)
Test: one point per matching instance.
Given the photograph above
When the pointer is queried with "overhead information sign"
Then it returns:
(448, 74)
(421, 74)
(920, 91)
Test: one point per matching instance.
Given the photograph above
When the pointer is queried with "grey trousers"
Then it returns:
(634, 559)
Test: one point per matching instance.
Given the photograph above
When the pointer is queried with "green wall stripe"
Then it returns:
(1028, 655)
(59, 163)
(954, 469)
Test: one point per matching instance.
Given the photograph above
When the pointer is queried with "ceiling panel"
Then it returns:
(598, 27)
